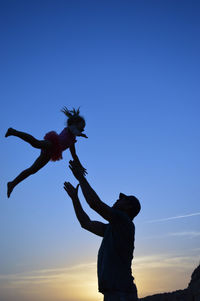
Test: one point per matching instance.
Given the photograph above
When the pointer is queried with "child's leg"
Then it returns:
(41, 144)
(41, 161)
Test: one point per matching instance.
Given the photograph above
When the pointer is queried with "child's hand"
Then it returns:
(72, 192)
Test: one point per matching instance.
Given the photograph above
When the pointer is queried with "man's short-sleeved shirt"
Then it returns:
(115, 255)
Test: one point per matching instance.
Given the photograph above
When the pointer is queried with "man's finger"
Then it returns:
(68, 185)
(66, 189)
(74, 168)
(74, 163)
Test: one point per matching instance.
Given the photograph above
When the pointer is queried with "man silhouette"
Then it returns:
(115, 280)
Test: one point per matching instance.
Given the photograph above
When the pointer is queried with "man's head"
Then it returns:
(129, 204)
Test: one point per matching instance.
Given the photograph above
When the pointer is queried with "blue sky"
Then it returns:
(133, 68)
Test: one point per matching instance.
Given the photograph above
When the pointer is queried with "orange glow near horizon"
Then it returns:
(79, 282)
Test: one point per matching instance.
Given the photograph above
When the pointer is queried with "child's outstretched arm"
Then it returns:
(73, 153)
(75, 157)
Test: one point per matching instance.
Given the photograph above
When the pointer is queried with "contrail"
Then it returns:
(173, 217)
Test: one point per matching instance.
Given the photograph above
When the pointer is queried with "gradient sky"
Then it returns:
(134, 69)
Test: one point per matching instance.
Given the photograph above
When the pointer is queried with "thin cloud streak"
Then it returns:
(49, 274)
(162, 261)
(189, 234)
(172, 218)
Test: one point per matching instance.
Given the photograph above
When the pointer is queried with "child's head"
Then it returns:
(75, 122)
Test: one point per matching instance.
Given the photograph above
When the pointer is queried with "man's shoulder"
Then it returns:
(120, 217)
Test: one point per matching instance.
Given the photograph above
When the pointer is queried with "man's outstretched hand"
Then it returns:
(71, 190)
(77, 169)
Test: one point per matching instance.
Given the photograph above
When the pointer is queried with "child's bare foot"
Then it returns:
(10, 187)
(9, 132)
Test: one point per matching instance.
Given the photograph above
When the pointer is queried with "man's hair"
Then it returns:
(136, 207)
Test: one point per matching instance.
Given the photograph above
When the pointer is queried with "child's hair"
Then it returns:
(73, 116)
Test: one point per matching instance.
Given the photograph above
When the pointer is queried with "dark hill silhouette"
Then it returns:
(191, 293)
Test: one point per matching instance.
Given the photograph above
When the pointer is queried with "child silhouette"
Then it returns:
(52, 146)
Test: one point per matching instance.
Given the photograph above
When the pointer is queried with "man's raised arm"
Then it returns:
(90, 195)
(95, 227)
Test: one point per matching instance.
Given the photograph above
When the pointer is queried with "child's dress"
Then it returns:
(60, 142)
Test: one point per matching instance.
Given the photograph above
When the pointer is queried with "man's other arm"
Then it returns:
(86, 223)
